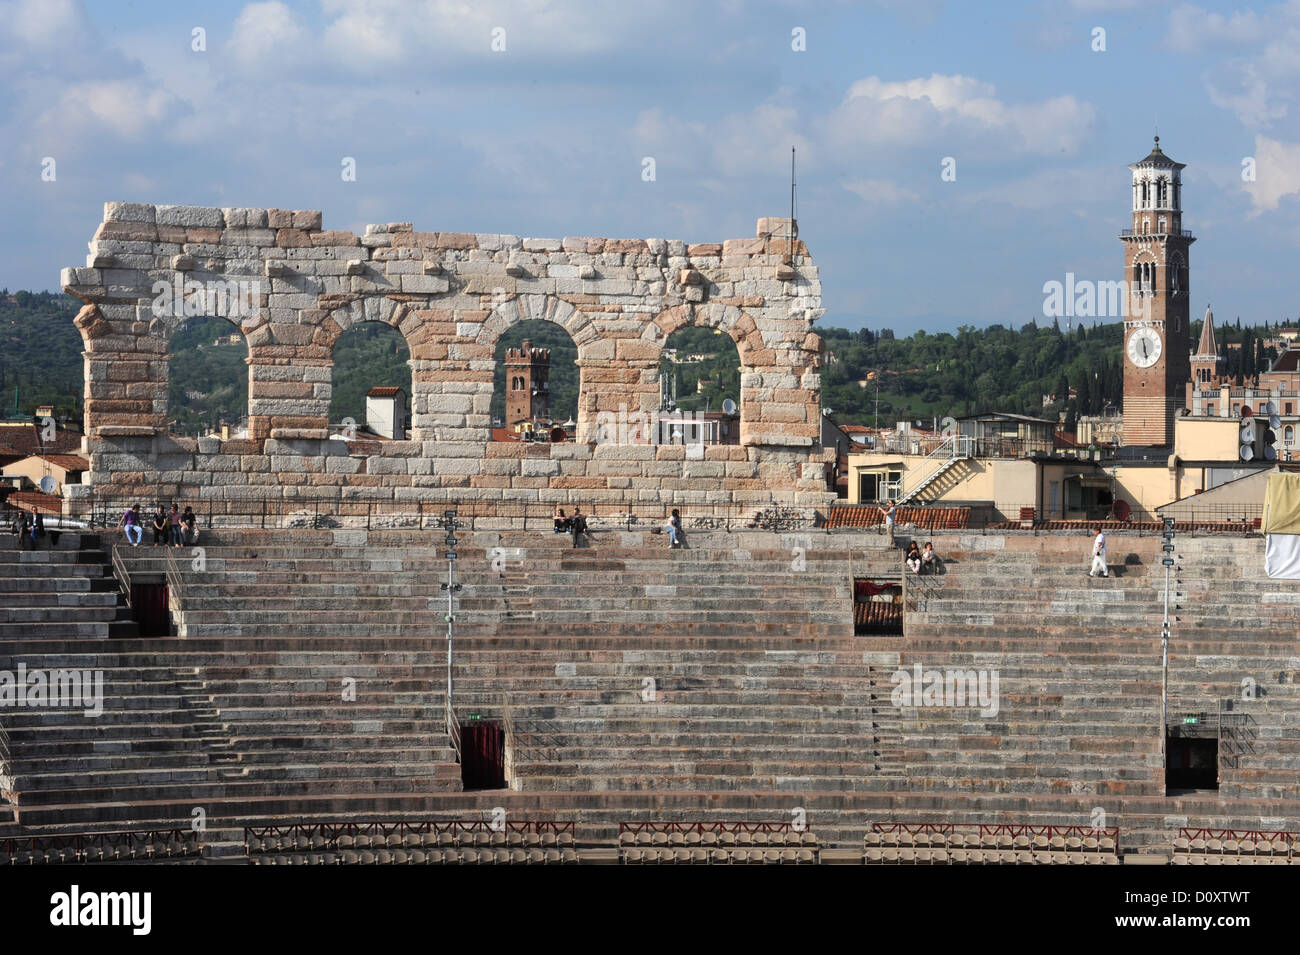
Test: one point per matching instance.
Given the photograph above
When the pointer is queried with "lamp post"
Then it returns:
(1167, 549)
(449, 524)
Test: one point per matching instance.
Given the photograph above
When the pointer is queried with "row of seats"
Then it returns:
(996, 840)
(1236, 848)
(710, 838)
(700, 855)
(317, 841)
(16, 854)
(420, 856)
(895, 855)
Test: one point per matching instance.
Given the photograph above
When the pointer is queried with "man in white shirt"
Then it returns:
(1099, 556)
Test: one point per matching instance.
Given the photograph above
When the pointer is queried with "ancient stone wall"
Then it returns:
(451, 296)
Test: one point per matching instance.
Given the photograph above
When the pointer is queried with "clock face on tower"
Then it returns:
(1144, 347)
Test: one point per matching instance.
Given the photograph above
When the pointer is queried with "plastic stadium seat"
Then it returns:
(719, 857)
(727, 838)
(873, 839)
(807, 855)
(518, 855)
(709, 839)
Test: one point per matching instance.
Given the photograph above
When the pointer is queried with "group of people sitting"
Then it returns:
(170, 528)
(575, 524)
(28, 528)
(922, 561)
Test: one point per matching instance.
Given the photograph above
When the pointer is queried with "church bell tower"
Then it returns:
(1157, 337)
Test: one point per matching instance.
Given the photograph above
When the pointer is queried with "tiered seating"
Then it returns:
(955, 844)
(1236, 847)
(715, 843)
(456, 842)
(173, 845)
(65, 589)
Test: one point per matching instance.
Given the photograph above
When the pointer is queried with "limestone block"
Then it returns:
(190, 217)
(129, 212)
(182, 263)
(424, 284)
(542, 245)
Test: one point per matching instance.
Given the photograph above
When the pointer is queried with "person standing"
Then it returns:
(889, 520)
(1099, 568)
(38, 528)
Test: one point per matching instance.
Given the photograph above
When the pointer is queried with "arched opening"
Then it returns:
(699, 387)
(207, 378)
(371, 382)
(535, 383)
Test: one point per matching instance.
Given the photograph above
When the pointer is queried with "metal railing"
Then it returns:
(99, 846)
(951, 448)
(453, 729)
(388, 513)
(122, 574)
(175, 584)
(8, 775)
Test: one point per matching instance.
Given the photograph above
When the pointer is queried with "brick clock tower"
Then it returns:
(1157, 340)
(527, 394)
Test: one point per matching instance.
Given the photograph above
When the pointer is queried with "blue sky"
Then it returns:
(548, 136)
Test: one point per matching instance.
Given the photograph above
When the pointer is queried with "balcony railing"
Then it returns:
(1126, 233)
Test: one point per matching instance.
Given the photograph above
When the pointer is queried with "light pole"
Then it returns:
(1167, 548)
(449, 524)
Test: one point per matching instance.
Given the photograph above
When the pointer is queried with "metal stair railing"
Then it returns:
(952, 449)
(453, 729)
(8, 776)
(122, 574)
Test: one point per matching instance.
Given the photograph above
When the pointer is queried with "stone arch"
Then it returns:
(737, 324)
(376, 310)
(546, 308)
(167, 326)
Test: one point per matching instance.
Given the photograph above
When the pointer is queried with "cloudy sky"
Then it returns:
(537, 118)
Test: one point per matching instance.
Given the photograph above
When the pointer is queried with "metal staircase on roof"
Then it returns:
(952, 451)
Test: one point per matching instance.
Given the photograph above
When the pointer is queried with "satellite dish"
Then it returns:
(1274, 421)
(1246, 412)
(1247, 452)
(728, 406)
(1269, 408)
(1121, 510)
(1270, 453)
(49, 485)
(557, 435)
(1248, 432)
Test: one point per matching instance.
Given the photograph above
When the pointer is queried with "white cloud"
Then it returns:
(267, 34)
(128, 108)
(1257, 80)
(1193, 30)
(948, 109)
(880, 192)
(1277, 173)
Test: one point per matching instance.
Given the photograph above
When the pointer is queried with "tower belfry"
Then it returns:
(528, 395)
(1157, 336)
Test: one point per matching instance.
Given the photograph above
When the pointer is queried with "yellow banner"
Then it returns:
(1282, 504)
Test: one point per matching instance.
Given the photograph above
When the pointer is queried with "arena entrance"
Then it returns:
(482, 755)
(1191, 756)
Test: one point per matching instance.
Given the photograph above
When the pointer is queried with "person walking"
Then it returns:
(674, 529)
(1099, 568)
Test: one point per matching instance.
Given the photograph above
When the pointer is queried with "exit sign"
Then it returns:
(475, 716)
(1190, 719)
